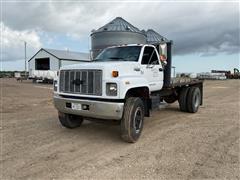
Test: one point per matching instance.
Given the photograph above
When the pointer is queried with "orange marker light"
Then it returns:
(114, 73)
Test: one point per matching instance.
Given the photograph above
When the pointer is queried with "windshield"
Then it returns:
(126, 53)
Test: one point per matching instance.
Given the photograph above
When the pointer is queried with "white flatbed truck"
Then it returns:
(123, 83)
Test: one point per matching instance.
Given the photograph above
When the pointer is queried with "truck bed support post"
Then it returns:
(168, 67)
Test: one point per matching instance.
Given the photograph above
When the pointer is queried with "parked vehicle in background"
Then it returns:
(228, 74)
(20, 76)
(43, 76)
(212, 76)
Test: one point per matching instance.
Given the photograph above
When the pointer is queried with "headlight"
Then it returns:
(55, 85)
(111, 89)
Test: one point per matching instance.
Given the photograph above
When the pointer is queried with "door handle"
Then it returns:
(137, 69)
(160, 69)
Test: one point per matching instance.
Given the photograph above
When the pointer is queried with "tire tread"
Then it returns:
(126, 120)
(183, 99)
(67, 122)
(190, 99)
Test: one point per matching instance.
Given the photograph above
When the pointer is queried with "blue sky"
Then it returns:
(196, 63)
(205, 35)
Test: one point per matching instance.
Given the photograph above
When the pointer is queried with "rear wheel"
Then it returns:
(69, 120)
(193, 100)
(132, 121)
(183, 99)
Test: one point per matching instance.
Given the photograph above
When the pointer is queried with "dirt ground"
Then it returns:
(174, 145)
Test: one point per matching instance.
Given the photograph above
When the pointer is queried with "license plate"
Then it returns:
(76, 106)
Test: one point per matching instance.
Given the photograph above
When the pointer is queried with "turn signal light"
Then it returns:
(114, 73)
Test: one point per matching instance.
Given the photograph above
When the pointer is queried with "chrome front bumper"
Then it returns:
(97, 109)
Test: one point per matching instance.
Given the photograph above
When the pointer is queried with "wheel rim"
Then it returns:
(197, 100)
(137, 120)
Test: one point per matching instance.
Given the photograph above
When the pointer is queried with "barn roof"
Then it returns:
(65, 55)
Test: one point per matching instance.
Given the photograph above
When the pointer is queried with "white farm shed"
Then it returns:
(46, 62)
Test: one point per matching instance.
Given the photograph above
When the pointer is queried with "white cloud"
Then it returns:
(13, 43)
(204, 28)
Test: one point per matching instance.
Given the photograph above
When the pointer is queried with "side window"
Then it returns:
(149, 56)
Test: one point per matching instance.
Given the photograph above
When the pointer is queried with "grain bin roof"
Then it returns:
(118, 24)
(154, 37)
(66, 55)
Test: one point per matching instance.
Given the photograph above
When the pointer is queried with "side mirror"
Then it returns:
(163, 53)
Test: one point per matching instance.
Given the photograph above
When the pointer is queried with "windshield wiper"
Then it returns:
(96, 59)
(115, 58)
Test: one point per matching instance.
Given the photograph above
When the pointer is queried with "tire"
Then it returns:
(69, 120)
(170, 99)
(132, 121)
(193, 99)
(183, 99)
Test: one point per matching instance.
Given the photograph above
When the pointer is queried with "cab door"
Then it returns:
(152, 69)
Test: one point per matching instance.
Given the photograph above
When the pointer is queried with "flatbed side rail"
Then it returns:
(177, 84)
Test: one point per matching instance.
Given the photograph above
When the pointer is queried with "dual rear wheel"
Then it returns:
(189, 99)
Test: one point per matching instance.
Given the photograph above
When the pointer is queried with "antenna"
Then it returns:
(89, 50)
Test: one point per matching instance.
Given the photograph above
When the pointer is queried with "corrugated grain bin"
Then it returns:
(116, 32)
(154, 38)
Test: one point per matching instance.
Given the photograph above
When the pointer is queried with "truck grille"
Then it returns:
(88, 82)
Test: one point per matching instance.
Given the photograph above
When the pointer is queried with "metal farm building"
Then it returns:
(46, 62)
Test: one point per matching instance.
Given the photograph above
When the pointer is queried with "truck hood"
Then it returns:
(107, 67)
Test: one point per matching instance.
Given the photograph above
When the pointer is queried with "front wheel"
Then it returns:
(69, 120)
(132, 121)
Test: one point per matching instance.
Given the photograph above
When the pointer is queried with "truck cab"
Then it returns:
(121, 84)
(139, 63)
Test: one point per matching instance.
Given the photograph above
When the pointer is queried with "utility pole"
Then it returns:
(25, 54)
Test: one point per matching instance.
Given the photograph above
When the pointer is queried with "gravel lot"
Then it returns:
(174, 145)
